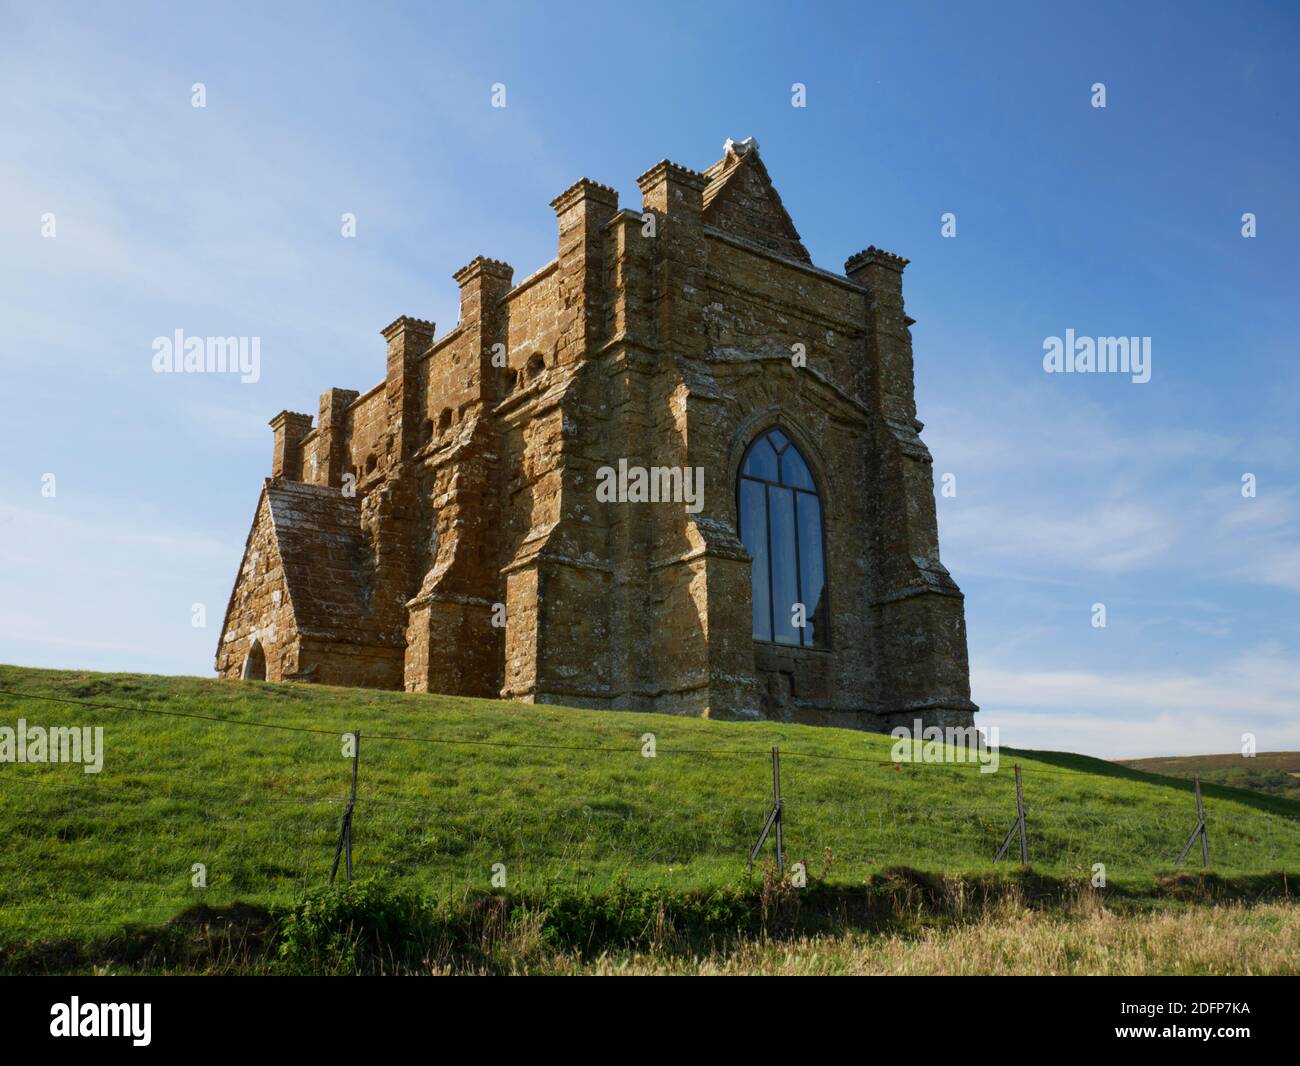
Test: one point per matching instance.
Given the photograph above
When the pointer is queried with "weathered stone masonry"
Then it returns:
(392, 535)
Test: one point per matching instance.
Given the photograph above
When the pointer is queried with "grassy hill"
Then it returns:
(449, 787)
(1274, 773)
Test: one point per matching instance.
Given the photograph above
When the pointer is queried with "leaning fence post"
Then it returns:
(1017, 827)
(776, 802)
(773, 819)
(1200, 831)
(345, 830)
(1020, 814)
(1205, 834)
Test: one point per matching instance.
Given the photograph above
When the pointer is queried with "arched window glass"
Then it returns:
(781, 526)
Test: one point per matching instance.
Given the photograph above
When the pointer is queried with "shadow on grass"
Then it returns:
(367, 928)
(200, 939)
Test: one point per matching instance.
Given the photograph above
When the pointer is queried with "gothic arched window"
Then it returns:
(781, 526)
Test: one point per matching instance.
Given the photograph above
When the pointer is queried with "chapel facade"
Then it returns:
(678, 468)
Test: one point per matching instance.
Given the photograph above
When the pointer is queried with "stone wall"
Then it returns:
(259, 608)
(669, 336)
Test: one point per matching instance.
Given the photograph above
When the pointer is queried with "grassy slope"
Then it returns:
(84, 854)
(1274, 773)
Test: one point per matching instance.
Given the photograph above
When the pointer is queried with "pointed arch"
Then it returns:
(255, 663)
(779, 507)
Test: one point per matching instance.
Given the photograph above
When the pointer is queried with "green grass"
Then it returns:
(1274, 773)
(87, 855)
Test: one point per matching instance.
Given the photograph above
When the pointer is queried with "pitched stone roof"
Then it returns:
(326, 564)
(741, 200)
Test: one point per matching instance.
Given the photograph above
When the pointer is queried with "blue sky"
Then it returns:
(1071, 489)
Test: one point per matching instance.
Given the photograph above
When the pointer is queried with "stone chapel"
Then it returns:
(677, 468)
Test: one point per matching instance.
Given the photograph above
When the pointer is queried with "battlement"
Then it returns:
(665, 169)
(482, 265)
(468, 479)
(874, 256)
(403, 322)
(584, 188)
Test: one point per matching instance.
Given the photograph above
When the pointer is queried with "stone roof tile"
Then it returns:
(323, 551)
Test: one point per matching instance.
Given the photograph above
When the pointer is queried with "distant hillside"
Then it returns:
(1274, 773)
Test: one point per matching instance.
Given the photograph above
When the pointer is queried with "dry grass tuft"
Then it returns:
(1009, 938)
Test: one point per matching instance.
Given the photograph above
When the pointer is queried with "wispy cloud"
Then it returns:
(1066, 489)
(1148, 713)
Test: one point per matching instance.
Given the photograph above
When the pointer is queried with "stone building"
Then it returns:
(678, 468)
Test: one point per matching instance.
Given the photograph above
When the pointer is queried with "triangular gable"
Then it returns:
(259, 562)
(316, 540)
(741, 200)
(261, 518)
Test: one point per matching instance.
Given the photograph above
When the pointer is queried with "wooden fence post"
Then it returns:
(776, 802)
(773, 819)
(1200, 831)
(345, 830)
(1018, 827)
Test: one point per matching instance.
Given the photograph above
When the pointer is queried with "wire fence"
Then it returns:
(101, 849)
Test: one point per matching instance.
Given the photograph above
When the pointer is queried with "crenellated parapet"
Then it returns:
(874, 256)
(482, 549)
